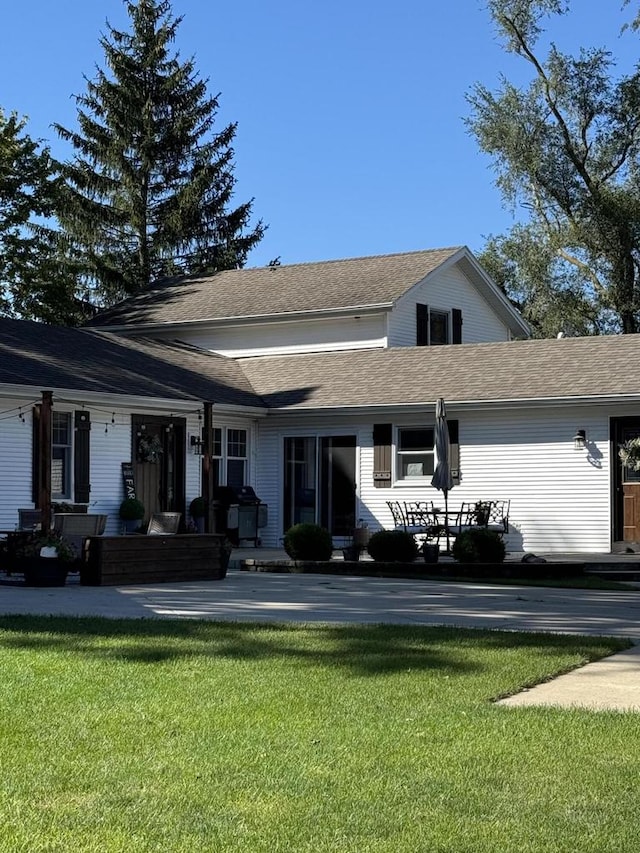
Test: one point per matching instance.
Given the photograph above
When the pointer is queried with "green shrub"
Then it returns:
(479, 546)
(392, 546)
(131, 509)
(308, 542)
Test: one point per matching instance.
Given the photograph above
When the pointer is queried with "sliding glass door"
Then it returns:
(320, 482)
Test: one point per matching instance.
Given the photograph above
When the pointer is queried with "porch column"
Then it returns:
(44, 461)
(207, 484)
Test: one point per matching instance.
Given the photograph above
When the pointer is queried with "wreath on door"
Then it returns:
(629, 453)
(149, 448)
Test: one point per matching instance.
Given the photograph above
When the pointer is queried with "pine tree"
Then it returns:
(148, 193)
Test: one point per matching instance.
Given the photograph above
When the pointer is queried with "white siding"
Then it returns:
(15, 461)
(269, 481)
(110, 446)
(446, 290)
(560, 497)
(294, 336)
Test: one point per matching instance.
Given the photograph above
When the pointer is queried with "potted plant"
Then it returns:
(132, 513)
(481, 512)
(479, 545)
(392, 546)
(44, 559)
(430, 551)
(198, 511)
(306, 541)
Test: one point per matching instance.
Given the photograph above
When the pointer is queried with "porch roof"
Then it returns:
(47, 357)
(534, 370)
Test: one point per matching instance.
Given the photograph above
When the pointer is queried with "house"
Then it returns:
(316, 384)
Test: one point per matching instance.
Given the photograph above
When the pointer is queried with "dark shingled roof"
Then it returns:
(85, 360)
(50, 357)
(516, 370)
(264, 291)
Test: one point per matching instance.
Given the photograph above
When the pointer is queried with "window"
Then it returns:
(236, 457)
(415, 454)
(61, 455)
(216, 455)
(438, 327)
(434, 328)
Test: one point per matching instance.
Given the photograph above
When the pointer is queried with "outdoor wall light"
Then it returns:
(196, 443)
(580, 439)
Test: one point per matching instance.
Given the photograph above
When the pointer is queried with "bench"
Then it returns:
(488, 515)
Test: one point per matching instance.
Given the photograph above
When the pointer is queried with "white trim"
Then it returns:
(249, 319)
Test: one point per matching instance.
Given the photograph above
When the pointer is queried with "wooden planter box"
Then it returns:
(114, 560)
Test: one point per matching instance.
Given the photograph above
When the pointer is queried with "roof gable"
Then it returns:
(277, 290)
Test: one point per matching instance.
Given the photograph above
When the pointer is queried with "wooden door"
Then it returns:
(159, 464)
(627, 484)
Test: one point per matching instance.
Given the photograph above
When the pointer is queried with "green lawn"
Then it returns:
(198, 736)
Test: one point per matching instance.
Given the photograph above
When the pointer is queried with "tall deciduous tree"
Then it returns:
(566, 148)
(148, 192)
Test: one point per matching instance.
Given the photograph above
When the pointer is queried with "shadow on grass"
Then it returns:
(371, 650)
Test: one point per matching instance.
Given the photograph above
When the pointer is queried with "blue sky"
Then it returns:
(350, 114)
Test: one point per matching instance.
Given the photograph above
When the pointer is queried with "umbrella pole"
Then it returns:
(446, 518)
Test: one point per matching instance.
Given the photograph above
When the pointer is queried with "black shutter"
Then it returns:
(35, 455)
(81, 457)
(456, 326)
(422, 325)
(454, 452)
(382, 456)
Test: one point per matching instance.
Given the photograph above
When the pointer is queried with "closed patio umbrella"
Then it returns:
(442, 479)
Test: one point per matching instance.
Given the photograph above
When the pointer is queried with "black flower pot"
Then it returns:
(45, 571)
(430, 552)
(351, 554)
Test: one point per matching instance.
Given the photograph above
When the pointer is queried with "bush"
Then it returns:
(308, 542)
(198, 508)
(392, 546)
(131, 509)
(479, 546)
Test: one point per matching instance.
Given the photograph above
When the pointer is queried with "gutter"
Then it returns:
(129, 401)
(242, 320)
(459, 405)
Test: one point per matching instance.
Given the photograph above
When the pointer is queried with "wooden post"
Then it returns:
(44, 463)
(207, 481)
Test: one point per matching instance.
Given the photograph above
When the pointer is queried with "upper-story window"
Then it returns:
(436, 327)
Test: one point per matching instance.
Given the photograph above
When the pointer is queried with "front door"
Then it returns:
(159, 460)
(626, 485)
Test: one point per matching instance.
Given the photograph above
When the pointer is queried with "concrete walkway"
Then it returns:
(612, 683)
